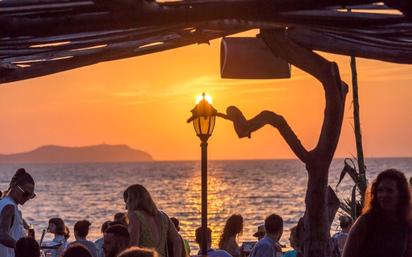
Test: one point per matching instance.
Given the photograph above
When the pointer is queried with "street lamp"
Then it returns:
(203, 118)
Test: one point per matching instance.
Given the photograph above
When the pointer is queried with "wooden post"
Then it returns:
(358, 133)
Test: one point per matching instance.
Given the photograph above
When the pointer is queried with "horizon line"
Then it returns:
(194, 160)
(286, 159)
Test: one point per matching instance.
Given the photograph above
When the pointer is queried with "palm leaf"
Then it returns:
(348, 169)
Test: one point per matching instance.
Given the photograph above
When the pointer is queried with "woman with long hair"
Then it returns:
(148, 226)
(228, 241)
(385, 227)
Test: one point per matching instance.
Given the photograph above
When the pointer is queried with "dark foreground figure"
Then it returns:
(384, 228)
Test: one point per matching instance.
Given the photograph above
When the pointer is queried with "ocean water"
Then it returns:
(251, 188)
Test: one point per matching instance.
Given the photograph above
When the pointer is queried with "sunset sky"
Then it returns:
(144, 102)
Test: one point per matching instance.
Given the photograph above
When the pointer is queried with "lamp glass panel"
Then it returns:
(212, 124)
(204, 125)
(196, 125)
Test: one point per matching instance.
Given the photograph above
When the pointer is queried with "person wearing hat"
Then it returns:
(260, 233)
(269, 246)
(247, 247)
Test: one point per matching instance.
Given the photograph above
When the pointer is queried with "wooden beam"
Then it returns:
(328, 43)
(121, 14)
(9, 71)
(4, 9)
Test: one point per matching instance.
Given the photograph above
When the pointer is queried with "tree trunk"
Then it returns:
(316, 222)
(313, 229)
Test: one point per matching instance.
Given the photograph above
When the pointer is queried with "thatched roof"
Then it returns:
(40, 37)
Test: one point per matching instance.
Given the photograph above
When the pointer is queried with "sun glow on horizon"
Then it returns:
(207, 97)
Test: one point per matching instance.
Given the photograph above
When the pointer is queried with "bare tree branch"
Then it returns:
(328, 74)
(245, 127)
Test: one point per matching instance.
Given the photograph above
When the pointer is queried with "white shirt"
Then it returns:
(17, 229)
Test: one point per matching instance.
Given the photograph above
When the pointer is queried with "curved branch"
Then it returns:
(328, 74)
(245, 127)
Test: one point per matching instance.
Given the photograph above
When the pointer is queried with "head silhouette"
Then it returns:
(81, 229)
(116, 239)
(57, 227)
(199, 236)
(389, 192)
(137, 197)
(274, 225)
(233, 227)
(21, 187)
(135, 251)
(27, 247)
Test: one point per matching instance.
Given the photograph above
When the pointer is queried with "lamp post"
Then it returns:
(203, 118)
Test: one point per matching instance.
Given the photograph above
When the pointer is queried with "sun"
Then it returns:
(208, 98)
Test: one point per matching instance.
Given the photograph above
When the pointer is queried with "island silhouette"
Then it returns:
(82, 154)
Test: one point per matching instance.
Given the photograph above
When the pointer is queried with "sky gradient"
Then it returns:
(144, 102)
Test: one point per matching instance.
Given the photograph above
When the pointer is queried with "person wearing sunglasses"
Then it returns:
(21, 190)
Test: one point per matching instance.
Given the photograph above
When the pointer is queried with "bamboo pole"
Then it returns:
(358, 133)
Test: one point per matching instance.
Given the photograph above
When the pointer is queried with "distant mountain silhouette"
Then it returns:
(61, 154)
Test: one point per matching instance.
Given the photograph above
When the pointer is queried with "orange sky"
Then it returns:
(144, 102)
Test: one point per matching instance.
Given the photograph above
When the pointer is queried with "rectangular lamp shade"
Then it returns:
(250, 58)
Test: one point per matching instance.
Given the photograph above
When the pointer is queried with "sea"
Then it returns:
(251, 188)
